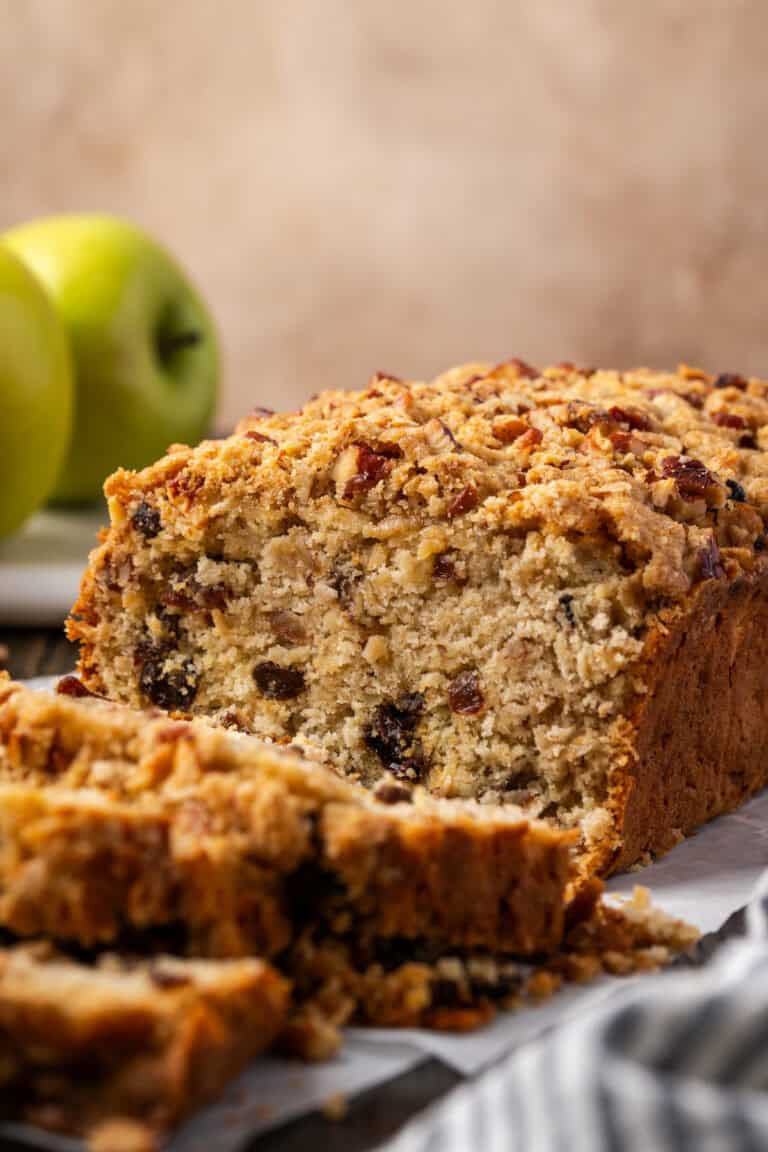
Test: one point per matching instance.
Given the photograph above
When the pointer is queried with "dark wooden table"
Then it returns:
(373, 1116)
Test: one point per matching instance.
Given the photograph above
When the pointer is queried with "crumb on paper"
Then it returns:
(121, 1135)
(335, 1107)
(543, 984)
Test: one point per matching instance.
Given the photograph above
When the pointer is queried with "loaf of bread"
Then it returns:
(86, 1047)
(540, 589)
(115, 823)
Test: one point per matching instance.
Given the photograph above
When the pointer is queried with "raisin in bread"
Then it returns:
(85, 1045)
(548, 589)
(114, 823)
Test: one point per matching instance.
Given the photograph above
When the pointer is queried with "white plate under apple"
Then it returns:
(41, 566)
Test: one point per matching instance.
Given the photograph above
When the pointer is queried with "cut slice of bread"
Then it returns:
(82, 1046)
(114, 822)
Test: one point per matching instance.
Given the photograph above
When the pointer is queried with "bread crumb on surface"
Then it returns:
(335, 1107)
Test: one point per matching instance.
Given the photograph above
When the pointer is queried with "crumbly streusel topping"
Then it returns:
(669, 464)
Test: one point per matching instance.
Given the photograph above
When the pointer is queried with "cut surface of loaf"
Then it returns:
(82, 1045)
(547, 589)
(115, 823)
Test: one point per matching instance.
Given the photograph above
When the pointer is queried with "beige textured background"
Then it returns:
(363, 184)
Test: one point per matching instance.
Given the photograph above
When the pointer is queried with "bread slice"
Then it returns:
(115, 822)
(82, 1045)
(547, 589)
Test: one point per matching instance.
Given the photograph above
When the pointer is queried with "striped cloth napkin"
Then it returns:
(676, 1063)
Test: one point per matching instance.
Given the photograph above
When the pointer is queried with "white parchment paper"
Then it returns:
(703, 880)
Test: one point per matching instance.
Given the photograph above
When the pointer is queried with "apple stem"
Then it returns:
(170, 342)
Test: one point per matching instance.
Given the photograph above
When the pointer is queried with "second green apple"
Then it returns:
(143, 344)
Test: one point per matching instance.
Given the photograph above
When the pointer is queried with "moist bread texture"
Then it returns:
(115, 822)
(82, 1045)
(538, 588)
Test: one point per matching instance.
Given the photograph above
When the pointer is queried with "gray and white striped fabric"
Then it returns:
(677, 1063)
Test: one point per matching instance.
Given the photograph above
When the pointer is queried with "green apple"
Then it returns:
(144, 346)
(35, 393)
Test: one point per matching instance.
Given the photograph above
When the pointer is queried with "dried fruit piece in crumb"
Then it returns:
(391, 735)
(72, 686)
(738, 495)
(465, 695)
(173, 690)
(146, 520)
(278, 683)
(392, 792)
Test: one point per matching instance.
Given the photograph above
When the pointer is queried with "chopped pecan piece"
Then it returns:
(730, 380)
(621, 441)
(464, 694)
(464, 502)
(527, 371)
(288, 627)
(693, 479)
(634, 420)
(373, 464)
(747, 440)
(710, 565)
(391, 734)
(186, 484)
(278, 683)
(583, 416)
(728, 420)
(688, 372)
(146, 520)
(509, 428)
(380, 376)
(530, 438)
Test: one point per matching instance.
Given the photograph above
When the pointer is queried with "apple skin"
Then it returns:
(36, 393)
(144, 346)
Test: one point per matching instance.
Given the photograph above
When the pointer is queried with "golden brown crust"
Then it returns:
(112, 819)
(699, 733)
(82, 1046)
